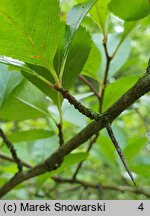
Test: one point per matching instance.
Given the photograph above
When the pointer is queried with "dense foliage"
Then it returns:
(96, 50)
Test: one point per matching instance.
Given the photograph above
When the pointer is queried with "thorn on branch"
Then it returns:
(118, 149)
(12, 150)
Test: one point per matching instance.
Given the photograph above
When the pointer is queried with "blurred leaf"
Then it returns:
(121, 56)
(130, 10)
(134, 147)
(27, 35)
(144, 171)
(128, 27)
(115, 90)
(74, 116)
(142, 160)
(8, 82)
(107, 149)
(120, 134)
(72, 159)
(24, 102)
(29, 135)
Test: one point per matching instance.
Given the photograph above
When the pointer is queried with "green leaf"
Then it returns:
(74, 116)
(43, 148)
(142, 160)
(77, 56)
(29, 135)
(121, 56)
(8, 82)
(106, 149)
(60, 49)
(72, 41)
(99, 13)
(130, 10)
(134, 146)
(93, 62)
(128, 27)
(76, 15)
(115, 90)
(142, 170)
(72, 159)
(29, 31)
(43, 85)
(24, 102)
(44, 72)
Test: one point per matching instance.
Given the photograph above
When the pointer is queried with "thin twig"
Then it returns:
(91, 143)
(10, 159)
(104, 82)
(73, 101)
(91, 87)
(118, 149)
(12, 150)
(60, 134)
(98, 186)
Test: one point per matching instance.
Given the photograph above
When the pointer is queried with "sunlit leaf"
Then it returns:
(29, 31)
(130, 10)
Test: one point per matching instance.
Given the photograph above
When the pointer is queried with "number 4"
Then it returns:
(141, 207)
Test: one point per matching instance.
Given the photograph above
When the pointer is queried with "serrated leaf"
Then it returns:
(99, 13)
(130, 10)
(74, 19)
(29, 31)
(76, 15)
(77, 56)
